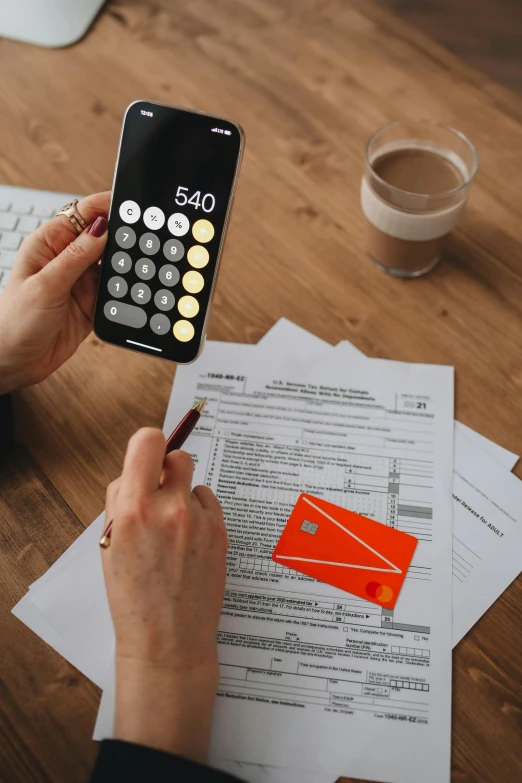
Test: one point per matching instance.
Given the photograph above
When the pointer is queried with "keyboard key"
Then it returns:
(7, 258)
(26, 224)
(125, 314)
(20, 207)
(169, 275)
(43, 211)
(8, 221)
(125, 236)
(145, 269)
(10, 240)
(117, 286)
(149, 243)
(164, 300)
(141, 293)
(159, 324)
(121, 262)
(5, 204)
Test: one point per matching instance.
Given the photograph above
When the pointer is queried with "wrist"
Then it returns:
(165, 708)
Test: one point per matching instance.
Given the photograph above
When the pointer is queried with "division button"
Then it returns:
(188, 306)
(125, 237)
(125, 314)
(183, 331)
(169, 275)
(173, 250)
(164, 300)
(117, 286)
(159, 324)
(198, 256)
(130, 212)
(153, 217)
(149, 244)
(193, 282)
(178, 224)
(121, 262)
(202, 230)
(140, 292)
(145, 269)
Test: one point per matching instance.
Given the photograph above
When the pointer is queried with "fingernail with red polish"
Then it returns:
(98, 228)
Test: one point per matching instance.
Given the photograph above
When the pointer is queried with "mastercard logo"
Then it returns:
(380, 592)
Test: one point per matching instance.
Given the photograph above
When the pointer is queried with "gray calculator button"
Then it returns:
(149, 243)
(125, 314)
(173, 250)
(117, 286)
(169, 275)
(160, 324)
(164, 300)
(140, 293)
(125, 237)
(121, 262)
(145, 269)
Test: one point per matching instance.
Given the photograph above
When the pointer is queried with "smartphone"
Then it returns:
(172, 197)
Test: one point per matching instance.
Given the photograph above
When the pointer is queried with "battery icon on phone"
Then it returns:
(228, 133)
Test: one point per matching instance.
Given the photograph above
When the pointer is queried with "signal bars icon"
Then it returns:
(222, 130)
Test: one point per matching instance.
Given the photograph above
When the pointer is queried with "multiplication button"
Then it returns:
(121, 262)
(145, 269)
(141, 293)
(198, 256)
(125, 314)
(149, 243)
(117, 286)
(169, 275)
(159, 324)
(125, 237)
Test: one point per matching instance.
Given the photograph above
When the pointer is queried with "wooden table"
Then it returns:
(309, 80)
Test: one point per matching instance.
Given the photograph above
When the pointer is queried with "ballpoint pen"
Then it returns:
(175, 441)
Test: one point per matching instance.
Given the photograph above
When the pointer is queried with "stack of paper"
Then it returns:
(316, 683)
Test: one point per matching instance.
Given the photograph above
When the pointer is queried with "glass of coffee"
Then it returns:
(414, 189)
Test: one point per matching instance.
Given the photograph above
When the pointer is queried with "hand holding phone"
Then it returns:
(172, 197)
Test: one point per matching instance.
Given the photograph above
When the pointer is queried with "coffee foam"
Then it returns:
(413, 226)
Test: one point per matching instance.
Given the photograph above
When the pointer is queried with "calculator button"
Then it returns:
(198, 256)
(169, 275)
(145, 269)
(140, 292)
(130, 212)
(183, 331)
(153, 217)
(159, 324)
(188, 306)
(125, 237)
(121, 262)
(173, 250)
(149, 244)
(117, 286)
(202, 230)
(164, 300)
(178, 224)
(193, 282)
(125, 314)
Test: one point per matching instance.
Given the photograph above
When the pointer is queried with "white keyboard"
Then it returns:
(21, 211)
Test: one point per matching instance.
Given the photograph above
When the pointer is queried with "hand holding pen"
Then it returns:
(165, 577)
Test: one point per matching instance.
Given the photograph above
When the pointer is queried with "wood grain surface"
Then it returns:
(309, 80)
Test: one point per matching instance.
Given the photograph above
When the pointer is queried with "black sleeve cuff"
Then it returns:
(123, 761)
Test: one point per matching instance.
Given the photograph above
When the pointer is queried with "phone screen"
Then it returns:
(170, 206)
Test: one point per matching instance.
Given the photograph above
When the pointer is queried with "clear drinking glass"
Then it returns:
(413, 191)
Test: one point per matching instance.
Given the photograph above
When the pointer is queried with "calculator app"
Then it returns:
(170, 205)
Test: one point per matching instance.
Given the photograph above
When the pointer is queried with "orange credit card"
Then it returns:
(346, 550)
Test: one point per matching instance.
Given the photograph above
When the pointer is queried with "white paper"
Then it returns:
(283, 445)
(478, 462)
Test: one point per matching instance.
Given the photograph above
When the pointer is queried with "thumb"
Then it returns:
(62, 272)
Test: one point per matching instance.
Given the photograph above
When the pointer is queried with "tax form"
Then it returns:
(305, 666)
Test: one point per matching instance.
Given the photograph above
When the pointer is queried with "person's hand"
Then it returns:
(165, 577)
(47, 307)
